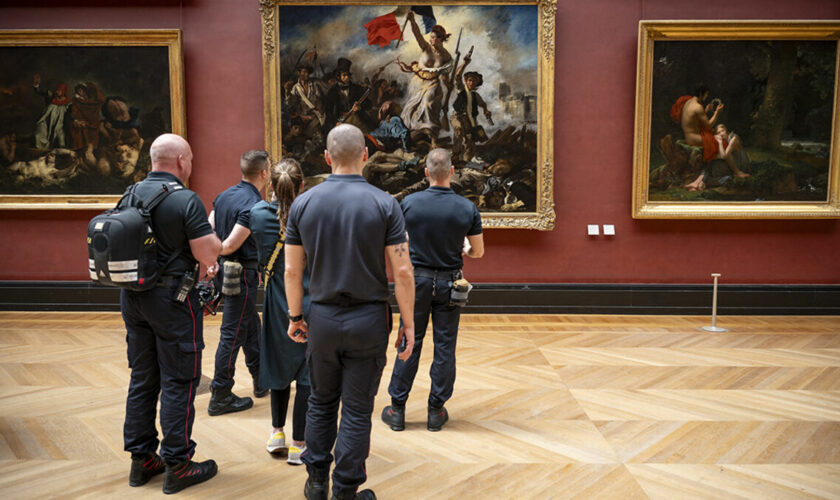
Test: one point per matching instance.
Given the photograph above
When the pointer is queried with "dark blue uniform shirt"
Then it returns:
(233, 207)
(437, 220)
(344, 225)
(180, 217)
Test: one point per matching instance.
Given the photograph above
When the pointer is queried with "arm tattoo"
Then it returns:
(400, 249)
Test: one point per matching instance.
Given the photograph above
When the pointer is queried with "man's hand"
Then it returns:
(213, 270)
(719, 107)
(298, 331)
(405, 336)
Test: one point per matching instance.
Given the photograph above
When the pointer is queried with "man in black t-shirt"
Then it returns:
(441, 227)
(342, 229)
(240, 267)
(165, 337)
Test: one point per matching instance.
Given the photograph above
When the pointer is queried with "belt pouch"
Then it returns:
(232, 271)
(459, 292)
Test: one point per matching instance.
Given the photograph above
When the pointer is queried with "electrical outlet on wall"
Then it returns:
(592, 230)
(609, 230)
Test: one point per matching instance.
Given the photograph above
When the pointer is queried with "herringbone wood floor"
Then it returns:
(544, 407)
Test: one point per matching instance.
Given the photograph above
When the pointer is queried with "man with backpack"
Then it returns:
(164, 326)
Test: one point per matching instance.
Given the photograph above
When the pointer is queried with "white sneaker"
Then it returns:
(276, 442)
(294, 455)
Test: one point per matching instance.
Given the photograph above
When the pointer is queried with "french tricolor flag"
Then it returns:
(385, 29)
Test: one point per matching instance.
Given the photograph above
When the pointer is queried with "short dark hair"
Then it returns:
(253, 162)
(701, 89)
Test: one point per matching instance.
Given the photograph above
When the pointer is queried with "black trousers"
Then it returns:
(165, 339)
(431, 298)
(346, 356)
(240, 328)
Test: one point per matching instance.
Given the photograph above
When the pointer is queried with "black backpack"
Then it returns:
(122, 247)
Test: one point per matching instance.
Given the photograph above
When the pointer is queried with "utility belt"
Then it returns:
(345, 301)
(459, 287)
(182, 285)
(247, 264)
(232, 272)
(436, 274)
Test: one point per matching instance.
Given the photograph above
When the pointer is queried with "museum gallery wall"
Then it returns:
(594, 94)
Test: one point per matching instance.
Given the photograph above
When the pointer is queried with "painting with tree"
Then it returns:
(736, 127)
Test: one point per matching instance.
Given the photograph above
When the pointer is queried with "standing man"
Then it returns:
(437, 220)
(342, 229)
(240, 270)
(165, 337)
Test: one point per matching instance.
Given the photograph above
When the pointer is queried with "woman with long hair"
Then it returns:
(281, 360)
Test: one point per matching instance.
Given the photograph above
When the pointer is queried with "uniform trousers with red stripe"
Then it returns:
(240, 329)
(165, 339)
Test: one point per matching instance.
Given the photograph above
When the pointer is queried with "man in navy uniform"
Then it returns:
(342, 229)
(165, 337)
(240, 320)
(441, 227)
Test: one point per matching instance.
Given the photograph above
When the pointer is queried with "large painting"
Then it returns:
(79, 110)
(737, 119)
(476, 80)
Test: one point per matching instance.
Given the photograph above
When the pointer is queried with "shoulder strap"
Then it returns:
(166, 188)
(269, 268)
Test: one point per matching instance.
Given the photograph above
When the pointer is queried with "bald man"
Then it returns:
(342, 229)
(165, 336)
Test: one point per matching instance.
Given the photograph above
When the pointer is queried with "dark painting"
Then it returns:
(741, 120)
(78, 119)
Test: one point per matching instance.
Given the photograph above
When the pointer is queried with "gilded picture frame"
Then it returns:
(79, 110)
(324, 37)
(761, 141)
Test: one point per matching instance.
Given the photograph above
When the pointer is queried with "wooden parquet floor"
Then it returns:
(545, 407)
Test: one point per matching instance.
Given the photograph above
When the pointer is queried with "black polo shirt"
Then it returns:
(233, 207)
(437, 221)
(344, 225)
(180, 217)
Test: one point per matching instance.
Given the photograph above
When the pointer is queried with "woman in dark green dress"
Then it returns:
(281, 360)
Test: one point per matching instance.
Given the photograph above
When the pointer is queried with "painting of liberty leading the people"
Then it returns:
(80, 120)
(742, 120)
(414, 78)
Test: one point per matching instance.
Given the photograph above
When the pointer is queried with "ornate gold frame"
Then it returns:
(544, 217)
(170, 38)
(651, 32)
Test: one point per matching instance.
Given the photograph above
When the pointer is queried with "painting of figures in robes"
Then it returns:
(79, 110)
(745, 126)
(466, 78)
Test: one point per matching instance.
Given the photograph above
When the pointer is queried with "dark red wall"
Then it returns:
(594, 106)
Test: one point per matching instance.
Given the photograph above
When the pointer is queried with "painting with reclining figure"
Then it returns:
(78, 112)
(741, 124)
(414, 78)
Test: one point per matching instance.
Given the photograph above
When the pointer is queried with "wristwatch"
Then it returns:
(295, 319)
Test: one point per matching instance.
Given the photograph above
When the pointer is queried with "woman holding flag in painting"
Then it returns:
(423, 111)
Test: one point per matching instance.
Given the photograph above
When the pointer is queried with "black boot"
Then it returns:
(259, 390)
(394, 416)
(224, 401)
(436, 418)
(143, 468)
(350, 495)
(317, 484)
(186, 474)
